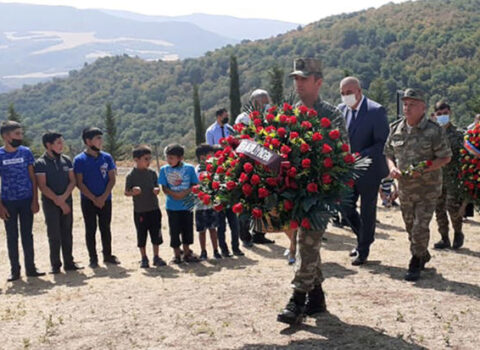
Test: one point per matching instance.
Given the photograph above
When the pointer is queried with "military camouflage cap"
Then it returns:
(305, 67)
(414, 94)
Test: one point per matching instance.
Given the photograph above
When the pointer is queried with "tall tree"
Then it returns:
(235, 102)
(197, 117)
(112, 144)
(378, 92)
(276, 84)
(14, 116)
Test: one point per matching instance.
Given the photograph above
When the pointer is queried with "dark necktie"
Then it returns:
(223, 132)
(354, 113)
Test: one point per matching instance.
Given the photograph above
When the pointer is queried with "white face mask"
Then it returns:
(443, 119)
(349, 100)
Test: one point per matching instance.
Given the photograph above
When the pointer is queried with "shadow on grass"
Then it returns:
(336, 334)
(429, 279)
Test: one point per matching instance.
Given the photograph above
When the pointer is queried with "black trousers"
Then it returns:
(363, 223)
(59, 231)
(104, 215)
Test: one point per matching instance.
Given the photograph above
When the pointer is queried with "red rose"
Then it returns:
(306, 125)
(257, 213)
(293, 135)
(312, 187)
(276, 143)
(293, 185)
(200, 195)
(292, 172)
(349, 159)
(255, 180)
(317, 136)
(293, 225)
(283, 119)
(195, 189)
(304, 148)
(247, 190)
(285, 149)
(287, 205)
(326, 148)
(231, 185)
(334, 134)
(248, 167)
(345, 147)
(270, 117)
(306, 224)
(243, 178)
(218, 207)
(350, 183)
(312, 113)
(272, 109)
(259, 129)
(325, 122)
(209, 167)
(292, 120)
(257, 122)
(271, 181)
(429, 163)
(263, 193)
(281, 132)
(215, 185)
(303, 109)
(328, 163)
(306, 163)
(206, 199)
(326, 179)
(245, 137)
(239, 127)
(237, 208)
(270, 128)
(287, 107)
(220, 170)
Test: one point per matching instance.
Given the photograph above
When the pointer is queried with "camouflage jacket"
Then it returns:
(450, 171)
(426, 141)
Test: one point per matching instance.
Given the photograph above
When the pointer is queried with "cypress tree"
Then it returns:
(235, 103)
(276, 84)
(112, 144)
(197, 117)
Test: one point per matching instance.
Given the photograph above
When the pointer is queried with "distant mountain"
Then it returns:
(41, 42)
(231, 27)
(429, 44)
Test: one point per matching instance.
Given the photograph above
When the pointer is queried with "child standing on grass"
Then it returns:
(177, 179)
(142, 185)
(206, 218)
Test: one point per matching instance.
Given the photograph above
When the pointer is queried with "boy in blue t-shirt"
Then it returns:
(177, 179)
(95, 174)
(19, 199)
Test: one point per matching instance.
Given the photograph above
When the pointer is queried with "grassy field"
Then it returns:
(232, 303)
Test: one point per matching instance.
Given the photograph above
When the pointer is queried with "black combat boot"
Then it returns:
(458, 240)
(315, 301)
(414, 268)
(425, 260)
(444, 243)
(293, 312)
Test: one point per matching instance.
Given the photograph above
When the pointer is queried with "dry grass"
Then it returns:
(232, 304)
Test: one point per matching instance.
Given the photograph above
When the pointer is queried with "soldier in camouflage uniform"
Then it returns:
(415, 139)
(308, 297)
(449, 200)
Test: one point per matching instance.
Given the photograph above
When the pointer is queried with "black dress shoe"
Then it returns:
(294, 311)
(226, 253)
(359, 260)
(73, 267)
(354, 252)
(35, 273)
(55, 271)
(315, 301)
(247, 244)
(238, 252)
(13, 277)
(458, 239)
(112, 259)
(93, 264)
(444, 243)
(259, 238)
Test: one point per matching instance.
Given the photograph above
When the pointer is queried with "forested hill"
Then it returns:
(432, 44)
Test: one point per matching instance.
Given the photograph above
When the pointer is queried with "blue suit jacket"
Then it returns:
(368, 135)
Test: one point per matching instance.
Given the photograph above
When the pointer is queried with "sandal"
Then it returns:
(190, 258)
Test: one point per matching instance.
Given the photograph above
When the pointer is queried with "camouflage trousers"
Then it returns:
(417, 216)
(308, 271)
(448, 202)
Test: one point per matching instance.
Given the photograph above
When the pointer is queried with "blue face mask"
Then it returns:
(443, 119)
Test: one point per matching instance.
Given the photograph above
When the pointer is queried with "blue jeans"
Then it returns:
(232, 218)
(22, 210)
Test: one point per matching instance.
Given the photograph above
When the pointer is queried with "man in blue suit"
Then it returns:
(367, 130)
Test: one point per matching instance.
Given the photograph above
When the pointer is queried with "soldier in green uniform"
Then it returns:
(308, 297)
(449, 200)
(416, 140)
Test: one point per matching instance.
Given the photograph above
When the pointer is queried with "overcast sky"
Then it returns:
(303, 12)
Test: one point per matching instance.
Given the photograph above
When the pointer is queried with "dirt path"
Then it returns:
(232, 304)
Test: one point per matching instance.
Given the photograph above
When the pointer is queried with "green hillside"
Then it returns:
(432, 44)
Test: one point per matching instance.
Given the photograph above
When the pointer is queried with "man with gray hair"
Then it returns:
(367, 125)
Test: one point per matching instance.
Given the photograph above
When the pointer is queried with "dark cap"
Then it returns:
(414, 94)
(305, 67)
